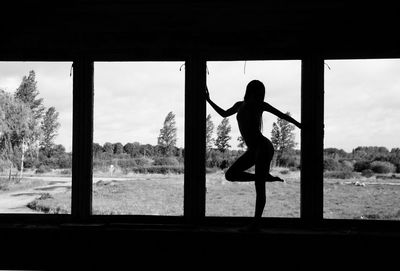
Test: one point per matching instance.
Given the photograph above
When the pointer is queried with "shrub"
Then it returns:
(66, 171)
(359, 166)
(289, 161)
(159, 170)
(166, 161)
(367, 173)
(140, 162)
(30, 162)
(382, 167)
(125, 163)
(211, 170)
(331, 164)
(4, 165)
(339, 175)
(346, 165)
(43, 169)
(101, 165)
(64, 161)
(284, 171)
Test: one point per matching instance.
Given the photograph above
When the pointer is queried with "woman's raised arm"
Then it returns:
(269, 108)
(223, 113)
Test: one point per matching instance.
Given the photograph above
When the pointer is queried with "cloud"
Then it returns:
(133, 98)
(227, 82)
(361, 103)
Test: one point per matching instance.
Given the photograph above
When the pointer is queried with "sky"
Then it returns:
(132, 99)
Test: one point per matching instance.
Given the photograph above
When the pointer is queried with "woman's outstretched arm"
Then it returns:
(279, 114)
(219, 110)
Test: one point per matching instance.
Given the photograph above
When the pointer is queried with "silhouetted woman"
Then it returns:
(259, 151)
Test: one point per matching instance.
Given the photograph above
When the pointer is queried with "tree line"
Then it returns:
(367, 160)
(28, 128)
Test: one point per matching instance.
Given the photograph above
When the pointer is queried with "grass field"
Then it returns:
(163, 195)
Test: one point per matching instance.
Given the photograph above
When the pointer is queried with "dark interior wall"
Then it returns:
(95, 247)
(146, 30)
(218, 29)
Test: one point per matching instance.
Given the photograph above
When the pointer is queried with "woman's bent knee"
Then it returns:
(229, 176)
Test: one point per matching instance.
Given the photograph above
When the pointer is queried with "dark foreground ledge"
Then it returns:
(128, 247)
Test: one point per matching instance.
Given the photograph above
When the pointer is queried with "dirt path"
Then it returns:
(17, 201)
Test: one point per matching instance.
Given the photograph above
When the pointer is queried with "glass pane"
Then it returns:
(35, 137)
(227, 82)
(361, 153)
(138, 138)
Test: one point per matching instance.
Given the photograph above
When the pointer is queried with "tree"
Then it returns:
(167, 138)
(223, 137)
(27, 93)
(209, 132)
(50, 127)
(97, 150)
(118, 148)
(283, 138)
(108, 148)
(15, 117)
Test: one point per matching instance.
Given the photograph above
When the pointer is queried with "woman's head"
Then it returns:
(255, 91)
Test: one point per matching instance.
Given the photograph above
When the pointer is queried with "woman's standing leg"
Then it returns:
(262, 166)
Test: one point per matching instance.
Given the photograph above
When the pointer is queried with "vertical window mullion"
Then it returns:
(195, 126)
(82, 138)
(312, 118)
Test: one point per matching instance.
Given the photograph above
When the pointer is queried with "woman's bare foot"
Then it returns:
(271, 179)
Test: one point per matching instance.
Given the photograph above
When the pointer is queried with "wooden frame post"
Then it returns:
(312, 136)
(82, 139)
(195, 134)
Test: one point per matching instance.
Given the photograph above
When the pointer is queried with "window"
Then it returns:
(126, 145)
(361, 153)
(138, 148)
(227, 82)
(35, 137)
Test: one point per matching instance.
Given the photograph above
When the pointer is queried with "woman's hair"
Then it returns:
(255, 91)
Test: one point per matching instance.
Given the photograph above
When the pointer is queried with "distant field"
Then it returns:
(163, 195)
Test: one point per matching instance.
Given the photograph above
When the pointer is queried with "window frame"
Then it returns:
(312, 110)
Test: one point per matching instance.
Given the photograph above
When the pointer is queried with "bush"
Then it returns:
(339, 175)
(284, 171)
(64, 161)
(359, 166)
(101, 165)
(4, 165)
(159, 170)
(346, 165)
(43, 169)
(382, 167)
(30, 162)
(66, 171)
(331, 164)
(166, 161)
(289, 161)
(211, 170)
(125, 163)
(367, 173)
(140, 162)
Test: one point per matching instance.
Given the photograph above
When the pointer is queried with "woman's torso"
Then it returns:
(249, 117)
